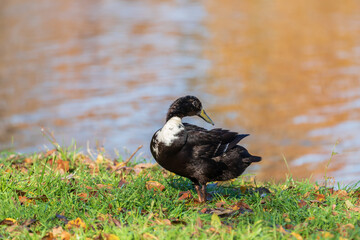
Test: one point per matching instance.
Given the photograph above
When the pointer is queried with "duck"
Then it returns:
(196, 153)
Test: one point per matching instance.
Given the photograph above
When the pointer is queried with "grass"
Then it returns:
(63, 194)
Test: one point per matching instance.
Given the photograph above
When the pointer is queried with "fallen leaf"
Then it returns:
(8, 222)
(241, 206)
(341, 194)
(289, 226)
(77, 223)
(204, 210)
(110, 237)
(320, 197)
(50, 152)
(149, 236)
(185, 195)
(57, 231)
(156, 186)
(302, 203)
(65, 235)
(355, 209)
(121, 183)
(327, 235)
(220, 204)
(48, 236)
(62, 166)
(83, 197)
(282, 230)
(297, 236)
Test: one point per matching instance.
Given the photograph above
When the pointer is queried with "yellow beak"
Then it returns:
(204, 116)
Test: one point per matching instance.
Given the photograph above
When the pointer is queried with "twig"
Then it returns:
(132, 155)
(123, 164)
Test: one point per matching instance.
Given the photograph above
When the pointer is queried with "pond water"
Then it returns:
(104, 73)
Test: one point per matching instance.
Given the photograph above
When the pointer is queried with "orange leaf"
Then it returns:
(320, 197)
(154, 185)
(62, 165)
(65, 236)
(297, 236)
(83, 197)
(185, 195)
(77, 223)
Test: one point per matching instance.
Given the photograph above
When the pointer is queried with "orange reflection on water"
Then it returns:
(288, 69)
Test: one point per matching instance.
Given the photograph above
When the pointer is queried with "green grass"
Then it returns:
(43, 189)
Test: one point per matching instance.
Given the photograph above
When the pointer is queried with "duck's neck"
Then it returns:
(172, 114)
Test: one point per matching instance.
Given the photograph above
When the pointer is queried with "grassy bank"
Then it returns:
(63, 194)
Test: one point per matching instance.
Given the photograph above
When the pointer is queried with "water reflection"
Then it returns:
(106, 71)
(94, 70)
(291, 74)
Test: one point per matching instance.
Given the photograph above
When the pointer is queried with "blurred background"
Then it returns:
(106, 71)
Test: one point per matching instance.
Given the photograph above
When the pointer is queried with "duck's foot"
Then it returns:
(202, 197)
(201, 191)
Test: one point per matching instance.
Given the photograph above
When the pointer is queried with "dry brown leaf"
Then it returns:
(289, 226)
(320, 197)
(8, 222)
(185, 195)
(241, 205)
(204, 210)
(62, 166)
(121, 183)
(156, 186)
(302, 203)
(220, 204)
(355, 209)
(83, 197)
(342, 194)
(49, 236)
(65, 235)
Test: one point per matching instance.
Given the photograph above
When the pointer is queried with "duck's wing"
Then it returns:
(211, 143)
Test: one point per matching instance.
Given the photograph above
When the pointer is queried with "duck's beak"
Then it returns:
(204, 116)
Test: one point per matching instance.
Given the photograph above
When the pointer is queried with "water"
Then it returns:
(105, 72)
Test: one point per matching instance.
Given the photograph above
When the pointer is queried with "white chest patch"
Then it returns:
(168, 133)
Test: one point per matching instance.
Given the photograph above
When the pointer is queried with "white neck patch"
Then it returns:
(168, 133)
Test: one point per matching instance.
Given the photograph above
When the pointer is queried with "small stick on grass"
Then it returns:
(122, 164)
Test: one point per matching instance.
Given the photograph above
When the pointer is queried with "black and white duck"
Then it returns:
(196, 153)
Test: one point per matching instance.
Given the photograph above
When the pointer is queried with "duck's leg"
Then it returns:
(199, 192)
(203, 191)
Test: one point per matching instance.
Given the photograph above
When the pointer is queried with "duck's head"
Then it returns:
(187, 106)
